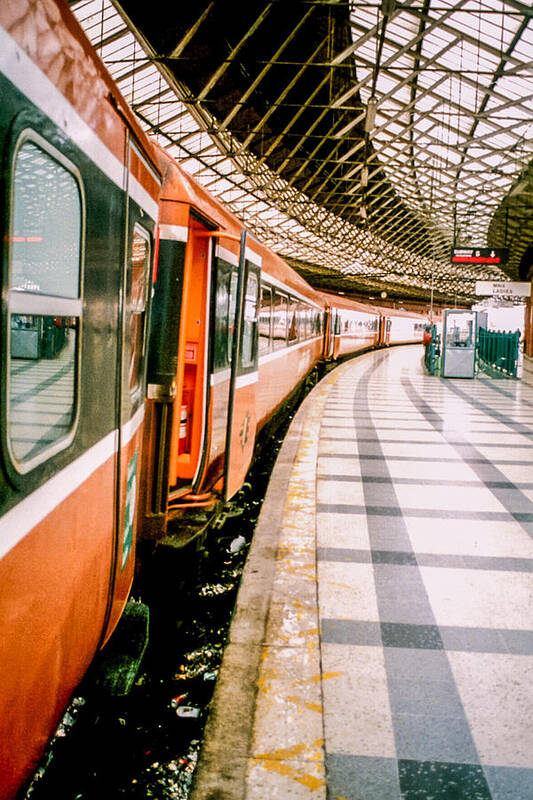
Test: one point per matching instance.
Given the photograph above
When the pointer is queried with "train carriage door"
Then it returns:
(330, 332)
(190, 432)
(141, 211)
(385, 327)
(242, 421)
(388, 326)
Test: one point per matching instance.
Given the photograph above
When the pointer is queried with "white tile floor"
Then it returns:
(401, 668)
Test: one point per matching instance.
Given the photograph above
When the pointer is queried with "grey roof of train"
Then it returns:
(359, 140)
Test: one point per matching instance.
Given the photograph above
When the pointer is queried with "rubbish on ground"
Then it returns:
(211, 589)
(188, 711)
(237, 544)
(66, 723)
(177, 701)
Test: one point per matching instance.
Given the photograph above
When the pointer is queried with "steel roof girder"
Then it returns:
(283, 94)
(233, 54)
(266, 69)
(371, 32)
(182, 44)
(403, 49)
(405, 81)
(418, 12)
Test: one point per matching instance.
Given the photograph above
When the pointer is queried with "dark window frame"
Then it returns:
(138, 228)
(221, 358)
(40, 304)
(252, 271)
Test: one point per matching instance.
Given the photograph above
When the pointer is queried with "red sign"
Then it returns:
(479, 255)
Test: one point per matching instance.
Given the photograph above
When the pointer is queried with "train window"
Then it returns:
(221, 358)
(293, 321)
(279, 320)
(265, 316)
(312, 321)
(308, 322)
(43, 302)
(46, 240)
(302, 321)
(138, 272)
(249, 331)
(234, 278)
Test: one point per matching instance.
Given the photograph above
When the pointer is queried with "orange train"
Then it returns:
(234, 332)
(146, 339)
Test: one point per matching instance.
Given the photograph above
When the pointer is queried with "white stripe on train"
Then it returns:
(20, 520)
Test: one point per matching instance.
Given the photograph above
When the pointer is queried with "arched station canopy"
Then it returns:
(360, 140)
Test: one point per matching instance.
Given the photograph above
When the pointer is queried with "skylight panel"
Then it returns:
(165, 116)
(436, 79)
(438, 39)
(386, 84)
(367, 51)
(95, 23)
(513, 89)
(524, 47)
(400, 94)
(118, 53)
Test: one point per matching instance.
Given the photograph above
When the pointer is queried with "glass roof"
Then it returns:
(443, 91)
(471, 119)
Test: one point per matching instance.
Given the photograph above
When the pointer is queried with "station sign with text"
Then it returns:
(503, 288)
(480, 255)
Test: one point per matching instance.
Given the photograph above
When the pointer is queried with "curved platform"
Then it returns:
(381, 645)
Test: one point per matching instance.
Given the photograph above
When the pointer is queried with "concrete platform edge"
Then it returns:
(222, 767)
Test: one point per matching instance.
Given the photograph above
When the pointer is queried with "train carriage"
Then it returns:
(352, 327)
(80, 200)
(402, 327)
(234, 331)
(291, 334)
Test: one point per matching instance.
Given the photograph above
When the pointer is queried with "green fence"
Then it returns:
(499, 350)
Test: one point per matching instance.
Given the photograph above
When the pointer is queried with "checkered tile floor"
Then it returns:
(424, 519)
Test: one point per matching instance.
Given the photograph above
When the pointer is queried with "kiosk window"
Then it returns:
(459, 330)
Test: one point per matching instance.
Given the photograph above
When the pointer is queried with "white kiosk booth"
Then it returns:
(459, 336)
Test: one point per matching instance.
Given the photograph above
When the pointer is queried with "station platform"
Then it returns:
(381, 647)
(527, 369)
